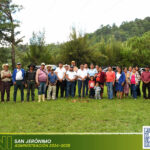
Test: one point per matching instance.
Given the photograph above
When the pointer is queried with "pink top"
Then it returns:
(110, 76)
(42, 76)
(133, 79)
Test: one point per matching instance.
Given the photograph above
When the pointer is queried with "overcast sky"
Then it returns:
(57, 17)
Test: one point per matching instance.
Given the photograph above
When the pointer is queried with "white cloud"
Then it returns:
(58, 16)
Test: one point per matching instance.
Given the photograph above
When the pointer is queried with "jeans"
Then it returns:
(138, 90)
(80, 85)
(60, 85)
(20, 85)
(134, 90)
(70, 89)
(5, 87)
(146, 86)
(30, 88)
(42, 88)
(110, 89)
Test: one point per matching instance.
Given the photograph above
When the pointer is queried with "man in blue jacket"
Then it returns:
(18, 78)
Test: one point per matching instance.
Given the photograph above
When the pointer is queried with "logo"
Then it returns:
(6, 143)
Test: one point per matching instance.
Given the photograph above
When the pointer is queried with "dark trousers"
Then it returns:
(86, 86)
(138, 90)
(92, 93)
(81, 86)
(20, 85)
(5, 87)
(70, 89)
(146, 86)
(62, 87)
(75, 87)
(30, 88)
(134, 90)
(46, 91)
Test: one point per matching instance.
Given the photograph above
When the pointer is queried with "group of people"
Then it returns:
(49, 80)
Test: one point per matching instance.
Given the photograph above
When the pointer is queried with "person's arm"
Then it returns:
(36, 78)
(67, 77)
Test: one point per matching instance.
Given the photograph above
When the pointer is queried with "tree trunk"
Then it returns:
(13, 56)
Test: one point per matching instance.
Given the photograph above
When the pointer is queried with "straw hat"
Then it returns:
(5, 65)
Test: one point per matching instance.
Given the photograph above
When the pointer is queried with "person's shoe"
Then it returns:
(39, 98)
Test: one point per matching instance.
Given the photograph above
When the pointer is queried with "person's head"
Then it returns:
(49, 68)
(92, 78)
(137, 68)
(85, 66)
(147, 69)
(97, 67)
(134, 70)
(81, 66)
(18, 65)
(92, 66)
(130, 68)
(97, 83)
(5, 67)
(71, 68)
(119, 69)
(42, 65)
(100, 69)
(52, 70)
(67, 67)
(125, 70)
(73, 63)
(109, 68)
(60, 65)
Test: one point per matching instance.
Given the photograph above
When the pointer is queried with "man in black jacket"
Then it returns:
(30, 81)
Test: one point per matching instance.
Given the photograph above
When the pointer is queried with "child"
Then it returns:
(91, 87)
(52, 85)
(97, 91)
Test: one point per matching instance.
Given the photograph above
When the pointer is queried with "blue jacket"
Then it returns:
(122, 78)
(15, 72)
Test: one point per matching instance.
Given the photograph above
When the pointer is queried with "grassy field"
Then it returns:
(62, 115)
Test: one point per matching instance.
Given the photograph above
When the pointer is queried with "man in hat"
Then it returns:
(52, 78)
(146, 82)
(5, 78)
(18, 78)
(71, 78)
(30, 81)
(42, 81)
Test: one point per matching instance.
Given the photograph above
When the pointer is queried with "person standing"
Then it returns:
(75, 68)
(5, 82)
(52, 78)
(60, 72)
(92, 71)
(48, 69)
(110, 80)
(18, 78)
(146, 82)
(82, 75)
(91, 87)
(42, 81)
(101, 78)
(30, 82)
(71, 78)
(97, 91)
(134, 79)
(127, 81)
(138, 86)
(87, 79)
(120, 80)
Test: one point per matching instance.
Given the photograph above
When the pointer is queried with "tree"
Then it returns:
(38, 51)
(9, 25)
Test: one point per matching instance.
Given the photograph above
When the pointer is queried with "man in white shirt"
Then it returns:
(18, 78)
(71, 78)
(82, 75)
(60, 72)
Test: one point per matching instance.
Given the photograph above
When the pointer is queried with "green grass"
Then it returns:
(63, 115)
